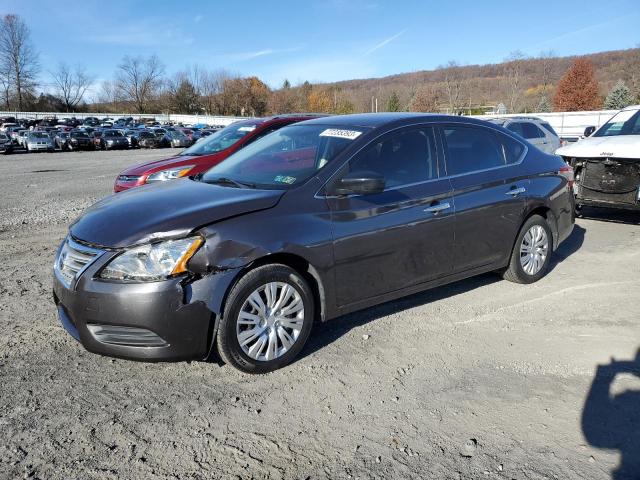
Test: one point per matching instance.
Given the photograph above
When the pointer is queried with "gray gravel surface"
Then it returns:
(479, 379)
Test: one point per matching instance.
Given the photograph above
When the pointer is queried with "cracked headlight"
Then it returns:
(169, 174)
(153, 262)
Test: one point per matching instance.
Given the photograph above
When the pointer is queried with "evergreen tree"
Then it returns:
(393, 104)
(543, 104)
(619, 97)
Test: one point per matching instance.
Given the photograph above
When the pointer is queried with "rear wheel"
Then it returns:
(267, 319)
(532, 252)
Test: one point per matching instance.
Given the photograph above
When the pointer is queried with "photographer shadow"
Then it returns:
(612, 421)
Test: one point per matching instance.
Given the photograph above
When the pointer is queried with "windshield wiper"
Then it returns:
(231, 182)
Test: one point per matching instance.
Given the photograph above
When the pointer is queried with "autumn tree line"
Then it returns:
(609, 80)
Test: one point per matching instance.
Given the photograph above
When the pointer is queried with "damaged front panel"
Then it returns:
(611, 182)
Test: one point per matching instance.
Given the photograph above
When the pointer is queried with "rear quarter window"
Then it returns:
(549, 128)
(513, 149)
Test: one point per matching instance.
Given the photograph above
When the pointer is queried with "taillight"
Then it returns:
(567, 172)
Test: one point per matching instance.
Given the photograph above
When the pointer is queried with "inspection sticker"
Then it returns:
(336, 132)
(284, 179)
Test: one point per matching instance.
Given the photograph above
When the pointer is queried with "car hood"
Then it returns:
(165, 210)
(178, 161)
(621, 146)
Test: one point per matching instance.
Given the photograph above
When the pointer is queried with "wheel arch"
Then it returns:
(293, 261)
(545, 212)
(301, 265)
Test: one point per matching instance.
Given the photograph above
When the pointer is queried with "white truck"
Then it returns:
(606, 162)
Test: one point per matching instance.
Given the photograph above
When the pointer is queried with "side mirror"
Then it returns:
(360, 183)
(589, 130)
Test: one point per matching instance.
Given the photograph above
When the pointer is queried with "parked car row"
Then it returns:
(87, 137)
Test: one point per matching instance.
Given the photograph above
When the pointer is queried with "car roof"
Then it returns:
(515, 117)
(375, 120)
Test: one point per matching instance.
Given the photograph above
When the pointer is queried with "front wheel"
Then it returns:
(532, 252)
(267, 319)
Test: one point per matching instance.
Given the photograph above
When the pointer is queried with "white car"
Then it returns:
(606, 163)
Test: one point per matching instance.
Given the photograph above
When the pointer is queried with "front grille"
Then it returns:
(611, 175)
(73, 259)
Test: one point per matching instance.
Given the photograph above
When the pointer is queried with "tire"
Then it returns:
(535, 270)
(238, 301)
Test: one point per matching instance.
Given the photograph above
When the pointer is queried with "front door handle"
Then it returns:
(438, 207)
(516, 191)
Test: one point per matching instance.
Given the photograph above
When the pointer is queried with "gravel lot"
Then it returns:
(479, 379)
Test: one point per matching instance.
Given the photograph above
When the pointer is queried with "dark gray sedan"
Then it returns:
(310, 222)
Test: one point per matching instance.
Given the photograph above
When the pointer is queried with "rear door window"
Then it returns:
(470, 149)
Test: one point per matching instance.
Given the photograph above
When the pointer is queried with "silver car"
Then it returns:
(39, 141)
(534, 130)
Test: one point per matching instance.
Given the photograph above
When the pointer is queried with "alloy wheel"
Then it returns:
(534, 250)
(270, 321)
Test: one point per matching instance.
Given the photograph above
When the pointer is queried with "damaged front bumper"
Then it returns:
(607, 182)
(168, 320)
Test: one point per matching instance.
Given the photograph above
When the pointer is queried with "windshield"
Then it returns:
(222, 139)
(286, 157)
(38, 135)
(79, 135)
(626, 122)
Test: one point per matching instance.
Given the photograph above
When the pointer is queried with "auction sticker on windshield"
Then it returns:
(336, 132)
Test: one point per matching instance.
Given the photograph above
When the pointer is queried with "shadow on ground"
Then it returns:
(326, 333)
(612, 421)
(612, 215)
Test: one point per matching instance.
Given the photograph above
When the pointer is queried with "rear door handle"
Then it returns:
(516, 191)
(438, 207)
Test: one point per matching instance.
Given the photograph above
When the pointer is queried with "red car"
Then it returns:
(205, 154)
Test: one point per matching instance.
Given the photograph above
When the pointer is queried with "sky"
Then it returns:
(319, 41)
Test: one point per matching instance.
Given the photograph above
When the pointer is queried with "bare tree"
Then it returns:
(138, 80)
(17, 55)
(453, 83)
(108, 95)
(513, 71)
(5, 84)
(211, 88)
(71, 84)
